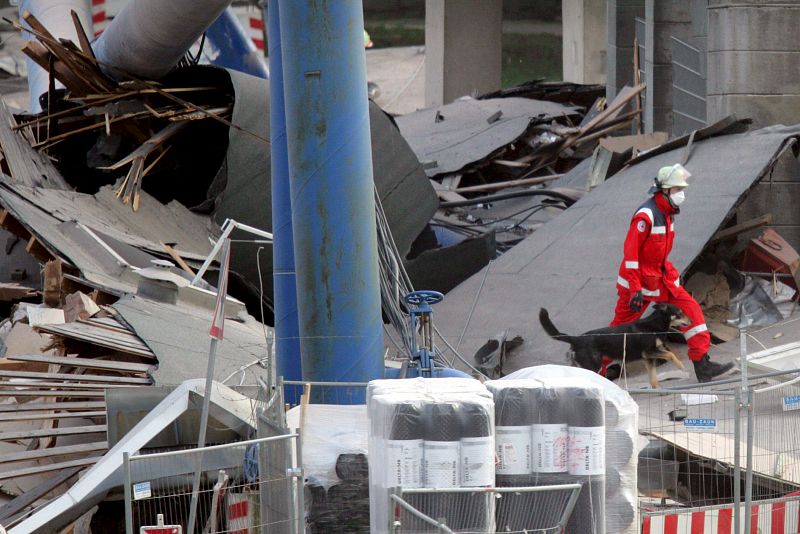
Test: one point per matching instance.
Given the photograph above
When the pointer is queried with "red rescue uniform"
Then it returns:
(645, 267)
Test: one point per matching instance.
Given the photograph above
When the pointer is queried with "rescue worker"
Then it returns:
(646, 274)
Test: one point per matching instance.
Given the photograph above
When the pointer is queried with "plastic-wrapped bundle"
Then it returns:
(349, 504)
(621, 419)
(352, 467)
(587, 459)
(477, 470)
(431, 433)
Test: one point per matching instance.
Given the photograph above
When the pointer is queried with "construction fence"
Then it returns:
(723, 453)
(247, 486)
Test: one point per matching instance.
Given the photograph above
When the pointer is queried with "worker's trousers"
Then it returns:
(696, 334)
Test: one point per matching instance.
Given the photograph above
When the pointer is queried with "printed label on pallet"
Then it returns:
(791, 402)
(441, 464)
(404, 457)
(586, 453)
(513, 445)
(550, 448)
(693, 424)
(477, 462)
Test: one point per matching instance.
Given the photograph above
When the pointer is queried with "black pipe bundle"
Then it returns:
(586, 459)
(477, 460)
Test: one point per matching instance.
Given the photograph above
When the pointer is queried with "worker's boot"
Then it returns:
(706, 370)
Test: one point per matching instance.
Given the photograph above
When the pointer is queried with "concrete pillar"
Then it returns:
(664, 19)
(463, 41)
(584, 41)
(621, 16)
(752, 71)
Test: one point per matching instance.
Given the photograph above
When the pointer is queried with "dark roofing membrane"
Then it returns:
(569, 265)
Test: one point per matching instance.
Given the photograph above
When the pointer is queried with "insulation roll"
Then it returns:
(613, 482)
(352, 468)
(620, 514)
(404, 454)
(550, 432)
(612, 415)
(318, 514)
(350, 505)
(442, 457)
(586, 459)
(477, 469)
(619, 448)
(513, 435)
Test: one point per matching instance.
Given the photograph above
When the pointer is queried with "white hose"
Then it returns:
(148, 37)
(55, 16)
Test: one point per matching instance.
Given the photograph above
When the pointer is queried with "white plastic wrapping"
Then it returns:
(335, 466)
(555, 427)
(435, 433)
(621, 444)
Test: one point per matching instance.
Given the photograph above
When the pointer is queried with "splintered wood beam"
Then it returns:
(27, 499)
(33, 416)
(66, 385)
(48, 393)
(85, 362)
(36, 249)
(49, 468)
(52, 406)
(48, 432)
(10, 223)
(83, 40)
(69, 377)
(55, 451)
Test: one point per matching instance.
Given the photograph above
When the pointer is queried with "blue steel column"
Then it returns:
(333, 210)
(287, 336)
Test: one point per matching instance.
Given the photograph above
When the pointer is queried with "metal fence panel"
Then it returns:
(540, 509)
(247, 487)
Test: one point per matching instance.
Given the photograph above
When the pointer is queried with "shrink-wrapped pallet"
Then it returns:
(621, 420)
(431, 433)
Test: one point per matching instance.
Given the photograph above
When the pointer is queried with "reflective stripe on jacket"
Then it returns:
(645, 265)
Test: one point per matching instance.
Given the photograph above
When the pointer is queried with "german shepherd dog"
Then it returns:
(644, 340)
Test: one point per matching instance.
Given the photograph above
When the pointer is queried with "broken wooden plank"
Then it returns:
(28, 498)
(23, 383)
(86, 362)
(38, 250)
(10, 223)
(69, 377)
(27, 166)
(33, 416)
(48, 393)
(47, 432)
(737, 229)
(83, 39)
(55, 451)
(51, 406)
(49, 468)
(177, 257)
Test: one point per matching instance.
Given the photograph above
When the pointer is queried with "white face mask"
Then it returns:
(677, 198)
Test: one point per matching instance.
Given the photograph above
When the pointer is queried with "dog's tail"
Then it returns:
(551, 329)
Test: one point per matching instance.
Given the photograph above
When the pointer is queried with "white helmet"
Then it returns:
(673, 176)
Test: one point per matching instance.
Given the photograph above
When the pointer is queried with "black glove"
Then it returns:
(637, 302)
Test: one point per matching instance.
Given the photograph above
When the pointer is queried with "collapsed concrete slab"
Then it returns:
(570, 264)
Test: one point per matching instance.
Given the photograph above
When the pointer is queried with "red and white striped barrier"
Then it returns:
(768, 517)
(255, 29)
(99, 16)
(252, 20)
(238, 513)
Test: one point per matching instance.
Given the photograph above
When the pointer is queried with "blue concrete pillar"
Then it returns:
(330, 169)
(287, 333)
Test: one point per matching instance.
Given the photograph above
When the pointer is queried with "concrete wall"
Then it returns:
(584, 41)
(621, 18)
(754, 60)
(463, 41)
(664, 18)
(777, 193)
